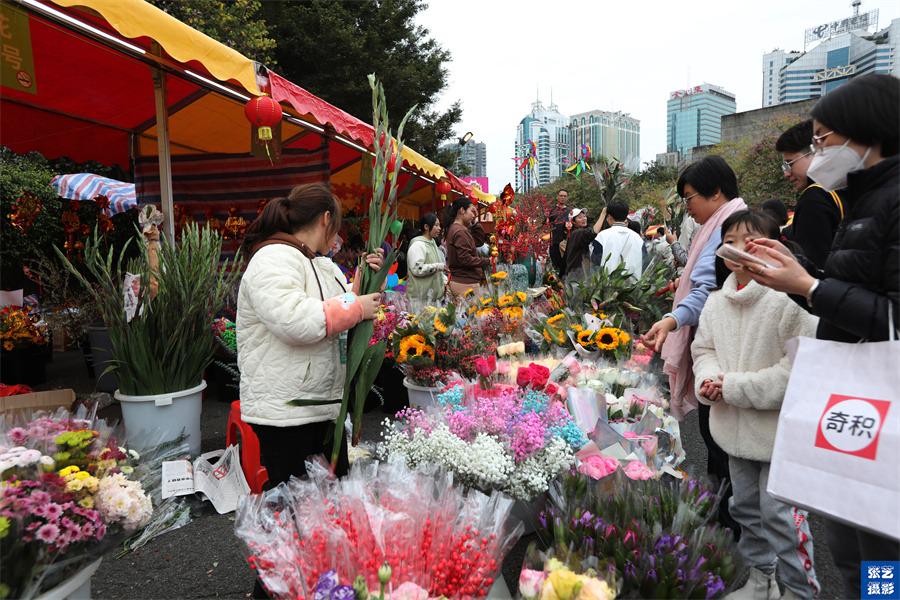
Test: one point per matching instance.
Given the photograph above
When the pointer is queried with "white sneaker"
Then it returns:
(759, 586)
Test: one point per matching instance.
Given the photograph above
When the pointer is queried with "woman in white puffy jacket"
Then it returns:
(294, 311)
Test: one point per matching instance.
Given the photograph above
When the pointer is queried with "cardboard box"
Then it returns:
(49, 400)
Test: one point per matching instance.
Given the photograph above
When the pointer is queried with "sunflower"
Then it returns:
(468, 292)
(513, 312)
(624, 338)
(586, 337)
(576, 328)
(499, 276)
(560, 337)
(554, 318)
(522, 296)
(8, 346)
(547, 336)
(608, 338)
(484, 312)
(487, 301)
(439, 325)
(505, 300)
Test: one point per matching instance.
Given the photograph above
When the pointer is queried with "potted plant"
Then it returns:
(23, 346)
(159, 354)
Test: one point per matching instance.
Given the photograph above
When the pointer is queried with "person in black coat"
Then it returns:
(818, 212)
(856, 131)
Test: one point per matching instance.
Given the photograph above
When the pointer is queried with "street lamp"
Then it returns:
(462, 142)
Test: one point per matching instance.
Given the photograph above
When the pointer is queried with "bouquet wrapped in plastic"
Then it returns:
(659, 537)
(425, 532)
(515, 439)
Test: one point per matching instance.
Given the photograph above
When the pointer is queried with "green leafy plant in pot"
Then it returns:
(161, 353)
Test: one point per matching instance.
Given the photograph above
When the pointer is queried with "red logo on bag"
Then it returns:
(852, 425)
(221, 472)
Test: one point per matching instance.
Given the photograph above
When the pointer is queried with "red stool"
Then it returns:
(238, 431)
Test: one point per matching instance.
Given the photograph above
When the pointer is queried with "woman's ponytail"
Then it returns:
(289, 215)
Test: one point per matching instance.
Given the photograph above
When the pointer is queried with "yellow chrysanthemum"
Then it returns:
(521, 296)
(555, 318)
(624, 338)
(68, 471)
(86, 502)
(439, 325)
(608, 338)
(513, 312)
(505, 300)
(499, 276)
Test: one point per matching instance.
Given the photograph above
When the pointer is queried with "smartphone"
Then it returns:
(729, 252)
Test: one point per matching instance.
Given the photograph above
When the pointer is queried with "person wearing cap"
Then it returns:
(578, 242)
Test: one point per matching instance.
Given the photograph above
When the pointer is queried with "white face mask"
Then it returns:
(830, 165)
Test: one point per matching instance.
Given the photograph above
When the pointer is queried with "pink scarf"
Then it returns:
(676, 351)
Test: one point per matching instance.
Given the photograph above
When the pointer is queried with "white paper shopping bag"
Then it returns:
(837, 449)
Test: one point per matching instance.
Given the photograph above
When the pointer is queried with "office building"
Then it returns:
(549, 130)
(773, 63)
(843, 50)
(609, 134)
(474, 157)
(694, 118)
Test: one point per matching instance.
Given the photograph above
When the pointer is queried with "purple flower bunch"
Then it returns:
(658, 535)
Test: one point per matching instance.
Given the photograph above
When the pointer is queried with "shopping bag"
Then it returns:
(838, 441)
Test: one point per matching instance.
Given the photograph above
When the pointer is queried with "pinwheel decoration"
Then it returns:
(530, 160)
(583, 165)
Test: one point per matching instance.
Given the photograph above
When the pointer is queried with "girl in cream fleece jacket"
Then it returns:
(741, 371)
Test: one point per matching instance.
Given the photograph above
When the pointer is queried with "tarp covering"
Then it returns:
(87, 186)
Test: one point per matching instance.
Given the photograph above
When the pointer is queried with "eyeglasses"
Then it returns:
(787, 165)
(688, 199)
(818, 140)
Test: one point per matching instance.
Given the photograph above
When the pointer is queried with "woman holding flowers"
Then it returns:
(294, 311)
(426, 263)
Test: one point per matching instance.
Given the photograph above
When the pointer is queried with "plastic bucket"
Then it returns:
(76, 587)
(420, 396)
(152, 420)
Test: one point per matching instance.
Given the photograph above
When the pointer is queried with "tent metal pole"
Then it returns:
(165, 157)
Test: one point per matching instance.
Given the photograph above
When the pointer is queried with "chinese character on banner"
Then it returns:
(697, 89)
(852, 425)
(877, 579)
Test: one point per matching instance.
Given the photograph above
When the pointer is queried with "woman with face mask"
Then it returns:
(856, 135)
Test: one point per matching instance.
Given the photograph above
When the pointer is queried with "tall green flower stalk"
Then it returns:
(169, 342)
(364, 361)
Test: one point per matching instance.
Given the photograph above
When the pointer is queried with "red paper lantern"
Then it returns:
(443, 188)
(264, 113)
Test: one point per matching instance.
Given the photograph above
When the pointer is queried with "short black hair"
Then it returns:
(618, 211)
(634, 226)
(427, 220)
(796, 139)
(754, 220)
(866, 110)
(709, 175)
(777, 210)
(561, 190)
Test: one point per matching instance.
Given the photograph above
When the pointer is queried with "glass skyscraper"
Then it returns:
(694, 117)
(610, 134)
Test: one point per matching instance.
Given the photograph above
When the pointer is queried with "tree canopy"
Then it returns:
(329, 47)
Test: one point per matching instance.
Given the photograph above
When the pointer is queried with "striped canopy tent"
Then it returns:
(123, 83)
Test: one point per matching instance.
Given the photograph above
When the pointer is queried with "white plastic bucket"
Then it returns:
(76, 587)
(151, 420)
(420, 396)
